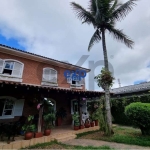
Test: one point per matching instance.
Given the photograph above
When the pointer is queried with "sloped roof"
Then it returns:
(50, 88)
(47, 58)
(132, 88)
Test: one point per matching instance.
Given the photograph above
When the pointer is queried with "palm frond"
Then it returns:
(120, 36)
(92, 7)
(95, 39)
(98, 15)
(115, 4)
(82, 14)
(121, 12)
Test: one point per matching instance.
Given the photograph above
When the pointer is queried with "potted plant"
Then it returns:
(95, 117)
(87, 123)
(81, 125)
(28, 128)
(92, 109)
(42, 107)
(76, 120)
(92, 122)
(49, 117)
(60, 114)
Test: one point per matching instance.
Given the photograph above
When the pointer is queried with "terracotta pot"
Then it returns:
(92, 124)
(47, 132)
(87, 125)
(81, 127)
(28, 135)
(96, 122)
(59, 121)
(38, 134)
(76, 127)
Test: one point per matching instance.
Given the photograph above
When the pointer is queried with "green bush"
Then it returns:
(119, 104)
(139, 114)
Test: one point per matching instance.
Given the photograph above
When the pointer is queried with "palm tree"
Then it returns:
(103, 14)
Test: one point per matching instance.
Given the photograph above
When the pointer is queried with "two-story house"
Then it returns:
(26, 77)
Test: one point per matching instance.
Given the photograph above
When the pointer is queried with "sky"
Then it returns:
(50, 28)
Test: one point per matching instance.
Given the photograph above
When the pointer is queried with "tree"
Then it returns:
(103, 14)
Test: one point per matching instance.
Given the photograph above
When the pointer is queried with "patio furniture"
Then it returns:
(11, 129)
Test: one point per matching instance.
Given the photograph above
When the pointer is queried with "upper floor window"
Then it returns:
(74, 80)
(49, 75)
(11, 67)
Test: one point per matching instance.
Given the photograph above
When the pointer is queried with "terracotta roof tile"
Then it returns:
(51, 88)
(19, 50)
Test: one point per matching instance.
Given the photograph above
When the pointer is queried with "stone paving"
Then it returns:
(96, 143)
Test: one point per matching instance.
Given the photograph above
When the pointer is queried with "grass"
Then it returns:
(126, 135)
(57, 145)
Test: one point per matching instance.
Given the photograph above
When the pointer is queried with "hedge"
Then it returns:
(139, 114)
(119, 104)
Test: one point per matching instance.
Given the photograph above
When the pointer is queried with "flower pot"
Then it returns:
(28, 135)
(59, 121)
(76, 127)
(87, 125)
(92, 124)
(38, 134)
(47, 132)
(96, 122)
(81, 127)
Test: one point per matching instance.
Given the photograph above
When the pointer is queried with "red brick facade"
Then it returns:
(32, 75)
(33, 70)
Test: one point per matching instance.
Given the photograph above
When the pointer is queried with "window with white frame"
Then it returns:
(74, 80)
(10, 107)
(10, 67)
(49, 75)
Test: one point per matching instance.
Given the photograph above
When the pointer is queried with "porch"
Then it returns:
(60, 133)
(24, 99)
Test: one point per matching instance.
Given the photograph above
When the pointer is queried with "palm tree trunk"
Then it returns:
(107, 93)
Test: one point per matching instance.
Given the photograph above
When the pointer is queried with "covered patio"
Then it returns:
(61, 133)
(26, 98)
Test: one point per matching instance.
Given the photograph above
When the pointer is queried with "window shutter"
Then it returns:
(18, 107)
(69, 79)
(82, 81)
(46, 74)
(53, 76)
(78, 83)
(17, 69)
(1, 65)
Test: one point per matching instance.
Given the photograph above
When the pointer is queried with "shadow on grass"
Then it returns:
(126, 135)
(57, 145)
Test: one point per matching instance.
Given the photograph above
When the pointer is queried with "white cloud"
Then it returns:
(50, 28)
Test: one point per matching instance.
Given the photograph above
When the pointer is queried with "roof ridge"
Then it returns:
(19, 50)
(131, 85)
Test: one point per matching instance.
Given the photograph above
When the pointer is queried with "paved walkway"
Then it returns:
(87, 142)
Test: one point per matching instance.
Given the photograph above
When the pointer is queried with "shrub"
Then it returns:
(119, 104)
(139, 114)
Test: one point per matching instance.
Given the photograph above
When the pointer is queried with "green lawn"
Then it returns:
(58, 145)
(126, 135)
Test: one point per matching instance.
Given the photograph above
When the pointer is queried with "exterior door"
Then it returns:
(74, 106)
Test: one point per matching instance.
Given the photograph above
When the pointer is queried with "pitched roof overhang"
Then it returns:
(50, 88)
(39, 58)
